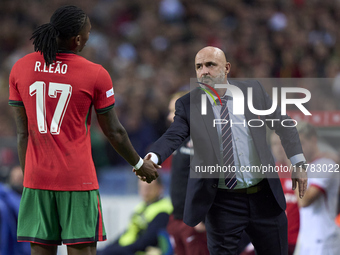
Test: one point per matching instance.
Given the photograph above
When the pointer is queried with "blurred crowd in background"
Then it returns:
(149, 46)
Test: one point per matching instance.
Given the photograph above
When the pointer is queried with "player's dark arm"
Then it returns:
(120, 141)
(22, 134)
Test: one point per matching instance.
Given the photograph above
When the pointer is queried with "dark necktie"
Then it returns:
(228, 153)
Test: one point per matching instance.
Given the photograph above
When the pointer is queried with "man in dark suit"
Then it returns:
(232, 202)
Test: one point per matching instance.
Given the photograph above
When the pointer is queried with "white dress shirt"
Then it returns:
(243, 146)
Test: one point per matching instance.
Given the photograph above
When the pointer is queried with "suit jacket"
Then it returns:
(188, 121)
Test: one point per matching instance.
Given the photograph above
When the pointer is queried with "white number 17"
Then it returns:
(38, 88)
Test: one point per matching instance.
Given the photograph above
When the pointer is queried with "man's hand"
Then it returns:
(200, 227)
(148, 171)
(299, 178)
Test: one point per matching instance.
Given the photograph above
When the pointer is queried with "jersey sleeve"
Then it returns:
(14, 95)
(324, 178)
(320, 183)
(104, 98)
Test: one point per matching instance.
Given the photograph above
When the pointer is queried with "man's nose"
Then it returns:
(205, 71)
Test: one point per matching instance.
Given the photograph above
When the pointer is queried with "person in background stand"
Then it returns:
(15, 179)
(186, 240)
(9, 208)
(292, 209)
(319, 234)
(148, 221)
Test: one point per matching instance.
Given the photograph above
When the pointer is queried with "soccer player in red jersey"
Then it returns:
(53, 91)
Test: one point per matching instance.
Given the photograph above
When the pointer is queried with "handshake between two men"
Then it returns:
(148, 170)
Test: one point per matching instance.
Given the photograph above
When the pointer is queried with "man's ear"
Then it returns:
(227, 67)
(75, 43)
(77, 40)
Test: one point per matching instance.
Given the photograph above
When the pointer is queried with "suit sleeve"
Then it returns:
(176, 133)
(288, 133)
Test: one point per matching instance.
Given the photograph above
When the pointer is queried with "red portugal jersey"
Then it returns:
(58, 100)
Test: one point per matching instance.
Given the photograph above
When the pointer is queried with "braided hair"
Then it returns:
(66, 22)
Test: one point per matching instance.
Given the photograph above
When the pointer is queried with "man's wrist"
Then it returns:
(301, 164)
(139, 164)
(297, 158)
(154, 157)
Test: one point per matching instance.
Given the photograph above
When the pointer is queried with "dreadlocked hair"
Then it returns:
(67, 21)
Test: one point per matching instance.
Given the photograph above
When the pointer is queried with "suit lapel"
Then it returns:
(207, 119)
(248, 115)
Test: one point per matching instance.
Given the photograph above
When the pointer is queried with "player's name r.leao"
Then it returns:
(56, 67)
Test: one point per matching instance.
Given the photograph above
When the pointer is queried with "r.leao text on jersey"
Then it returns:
(56, 67)
(58, 100)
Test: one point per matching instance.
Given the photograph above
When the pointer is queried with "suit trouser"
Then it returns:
(258, 214)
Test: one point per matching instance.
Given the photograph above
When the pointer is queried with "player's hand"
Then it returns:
(299, 179)
(148, 171)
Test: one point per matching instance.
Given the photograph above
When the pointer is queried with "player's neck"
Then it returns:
(66, 46)
(65, 51)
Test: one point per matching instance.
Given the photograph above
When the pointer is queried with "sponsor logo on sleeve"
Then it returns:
(110, 93)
